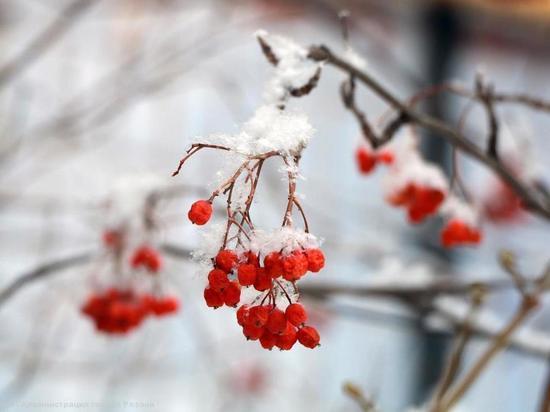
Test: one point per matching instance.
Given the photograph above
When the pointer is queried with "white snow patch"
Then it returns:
(286, 239)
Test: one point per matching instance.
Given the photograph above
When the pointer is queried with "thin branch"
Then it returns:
(499, 343)
(453, 365)
(530, 199)
(41, 272)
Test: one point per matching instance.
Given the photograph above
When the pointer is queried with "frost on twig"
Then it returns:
(295, 74)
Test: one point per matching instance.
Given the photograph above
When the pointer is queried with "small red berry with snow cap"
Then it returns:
(200, 212)
(296, 314)
(295, 266)
(273, 264)
(309, 337)
(226, 259)
(457, 232)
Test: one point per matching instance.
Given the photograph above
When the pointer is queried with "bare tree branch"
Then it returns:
(529, 197)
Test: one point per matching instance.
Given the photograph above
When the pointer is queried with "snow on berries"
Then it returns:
(462, 226)
(420, 188)
(254, 269)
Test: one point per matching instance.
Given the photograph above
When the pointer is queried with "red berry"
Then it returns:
(164, 306)
(366, 160)
(296, 314)
(113, 239)
(200, 212)
(213, 299)
(294, 266)
(246, 274)
(252, 258)
(385, 156)
(252, 332)
(315, 260)
(243, 315)
(217, 280)
(258, 315)
(232, 294)
(457, 232)
(273, 264)
(287, 340)
(263, 280)
(502, 204)
(309, 337)
(146, 257)
(277, 322)
(404, 196)
(268, 340)
(226, 260)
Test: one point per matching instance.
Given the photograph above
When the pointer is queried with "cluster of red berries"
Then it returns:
(274, 328)
(231, 272)
(420, 201)
(119, 311)
(368, 159)
(148, 258)
(456, 232)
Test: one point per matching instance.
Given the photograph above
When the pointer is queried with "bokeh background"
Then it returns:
(96, 113)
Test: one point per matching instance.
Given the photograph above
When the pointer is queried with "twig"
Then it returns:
(530, 199)
(355, 393)
(42, 271)
(529, 303)
(453, 364)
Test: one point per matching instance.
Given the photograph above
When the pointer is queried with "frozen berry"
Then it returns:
(309, 337)
(232, 294)
(296, 314)
(287, 340)
(273, 264)
(263, 280)
(277, 322)
(217, 279)
(294, 266)
(213, 299)
(246, 274)
(315, 260)
(268, 340)
(226, 260)
(200, 212)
